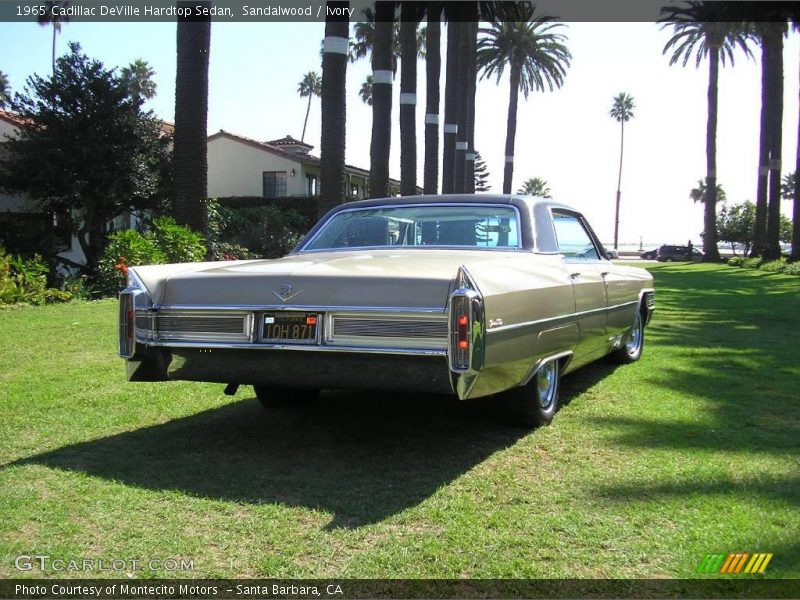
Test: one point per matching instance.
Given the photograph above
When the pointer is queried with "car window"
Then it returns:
(422, 225)
(573, 239)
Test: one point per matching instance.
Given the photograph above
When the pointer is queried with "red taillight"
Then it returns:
(311, 320)
(127, 325)
(463, 344)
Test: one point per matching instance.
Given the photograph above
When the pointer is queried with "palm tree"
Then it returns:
(310, 86)
(536, 56)
(622, 112)
(700, 29)
(52, 16)
(410, 15)
(699, 194)
(190, 157)
(381, 99)
(451, 96)
(795, 253)
(535, 187)
(138, 76)
(365, 93)
(334, 106)
(5, 90)
(433, 65)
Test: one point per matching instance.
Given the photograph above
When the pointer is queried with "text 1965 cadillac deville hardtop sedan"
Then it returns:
(455, 294)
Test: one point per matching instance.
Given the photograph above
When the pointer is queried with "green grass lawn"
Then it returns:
(695, 449)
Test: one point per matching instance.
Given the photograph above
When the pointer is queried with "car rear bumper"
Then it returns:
(312, 370)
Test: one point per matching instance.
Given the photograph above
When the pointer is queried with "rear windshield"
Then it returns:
(450, 225)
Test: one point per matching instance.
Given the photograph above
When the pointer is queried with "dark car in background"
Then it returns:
(648, 254)
(669, 253)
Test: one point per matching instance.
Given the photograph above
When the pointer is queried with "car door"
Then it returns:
(582, 261)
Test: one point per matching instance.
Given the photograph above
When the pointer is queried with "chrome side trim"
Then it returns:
(299, 347)
(440, 310)
(573, 315)
(538, 364)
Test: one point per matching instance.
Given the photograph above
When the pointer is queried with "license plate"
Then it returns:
(294, 327)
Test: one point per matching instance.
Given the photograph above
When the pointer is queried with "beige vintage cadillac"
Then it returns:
(454, 294)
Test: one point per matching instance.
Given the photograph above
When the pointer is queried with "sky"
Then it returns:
(565, 137)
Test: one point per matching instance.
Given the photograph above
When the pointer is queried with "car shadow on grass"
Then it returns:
(360, 456)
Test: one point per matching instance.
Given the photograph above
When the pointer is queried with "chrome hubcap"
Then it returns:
(546, 383)
(635, 336)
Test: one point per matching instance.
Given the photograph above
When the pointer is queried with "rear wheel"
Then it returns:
(276, 397)
(633, 347)
(535, 403)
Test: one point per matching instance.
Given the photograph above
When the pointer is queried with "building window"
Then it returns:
(274, 184)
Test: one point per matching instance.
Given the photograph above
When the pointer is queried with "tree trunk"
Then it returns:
(773, 246)
(710, 205)
(472, 79)
(433, 62)
(619, 182)
(760, 232)
(450, 102)
(795, 254)
(408, 100)
(380, 144)
(191, 117)
(55, 33)
(511, 128)
(333, 106)
(461, 110)
(305, 122)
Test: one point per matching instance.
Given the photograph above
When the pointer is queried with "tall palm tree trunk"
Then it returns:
(408, 100)
(760, 232)
(511, 128)
(333, 106)
(773, 248)
(55, 33)
(450, 110)
(461, 110)
(305, 122)
(619, 182)
(190, 156)
(795, 254)
(380, 143)
(710, 221)
(433, 62)
(472, 79)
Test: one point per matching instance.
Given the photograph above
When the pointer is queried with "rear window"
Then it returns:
(447, 225)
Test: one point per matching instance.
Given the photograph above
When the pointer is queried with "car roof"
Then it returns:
(534, 214)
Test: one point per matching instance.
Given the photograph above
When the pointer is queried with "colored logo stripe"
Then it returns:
(734, 563)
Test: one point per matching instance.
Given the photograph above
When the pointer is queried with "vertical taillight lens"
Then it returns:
(460, 331)
(127, 325)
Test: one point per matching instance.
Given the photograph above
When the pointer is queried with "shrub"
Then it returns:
(261, 231)
(124, 249)
(736, 261)
(25, 280)
(774, 266)
(752, 263)
(176, 242)
(792, 268)
(167, 242)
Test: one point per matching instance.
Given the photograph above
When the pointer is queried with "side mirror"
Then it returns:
(609, 255)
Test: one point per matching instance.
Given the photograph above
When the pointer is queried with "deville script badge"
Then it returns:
(286, 292)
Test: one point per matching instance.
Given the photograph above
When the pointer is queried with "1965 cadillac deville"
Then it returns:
(455, 294)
